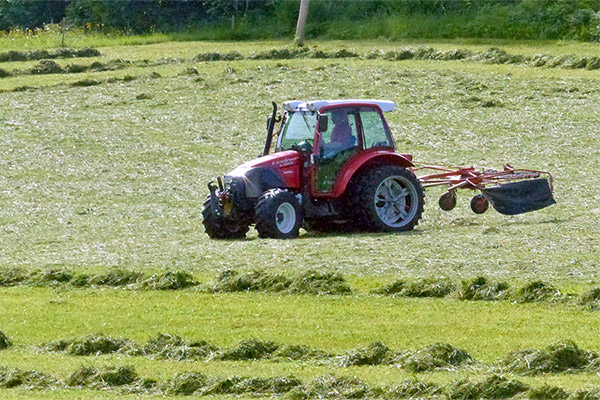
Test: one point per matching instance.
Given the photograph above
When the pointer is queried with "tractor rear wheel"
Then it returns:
(278, 215)
(217, 227)
(389, 198)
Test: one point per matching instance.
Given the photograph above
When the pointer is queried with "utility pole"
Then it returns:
(301, 22)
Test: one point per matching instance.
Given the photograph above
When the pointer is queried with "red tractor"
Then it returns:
(334, 163)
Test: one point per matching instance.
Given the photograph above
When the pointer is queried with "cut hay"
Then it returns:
(315, 282)
(421, 288)
(99, 378)
(297, 352)
(50, 277)
(86, 82)
(562, 356)
(252, 349)
(214, 56)
(115, 278)
(413, 389)
(536, 291)
(13, 276)
(172, 347)
(309, 282)
(91, 345)
(590, 299)
(185, 383)
(480, 288)
(433, 357)
(374, 354)
(4, 73)
(4, 341)
(586, 394)
(44, 54)
(12, 378)
(494, 387)
(261, 281)
(170, 281)
(547, 392)
(45, 67)
(330, 386)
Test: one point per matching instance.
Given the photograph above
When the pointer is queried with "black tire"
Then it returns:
(218, 228)
(278, 215)
(479, 204)
(378, 210)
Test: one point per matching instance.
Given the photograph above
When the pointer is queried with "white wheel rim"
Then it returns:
(396, 201)
(285, 217)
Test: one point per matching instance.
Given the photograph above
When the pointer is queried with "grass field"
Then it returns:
(108, 169)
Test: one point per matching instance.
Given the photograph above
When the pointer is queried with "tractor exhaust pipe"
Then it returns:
(270, 127)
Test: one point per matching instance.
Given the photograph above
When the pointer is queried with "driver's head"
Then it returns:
(339, 116)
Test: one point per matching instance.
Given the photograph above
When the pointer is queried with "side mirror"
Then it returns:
(323, 120)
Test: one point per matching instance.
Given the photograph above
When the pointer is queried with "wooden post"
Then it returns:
(301, 22)
(63, 27)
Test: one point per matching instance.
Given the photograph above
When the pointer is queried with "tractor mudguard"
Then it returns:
(368, 157)
(259, 179)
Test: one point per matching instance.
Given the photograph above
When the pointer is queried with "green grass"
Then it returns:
(114, 175)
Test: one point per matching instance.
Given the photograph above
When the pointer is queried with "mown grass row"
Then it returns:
(490, 56)
(562, 356)
(310, 282)
(62, 52)
(125, 379)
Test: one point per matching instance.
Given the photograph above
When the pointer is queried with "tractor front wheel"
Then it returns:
(389, 199)
(278, 215)
(217, 227)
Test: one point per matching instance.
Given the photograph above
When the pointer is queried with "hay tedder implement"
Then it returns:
(510, 190)
(335, 165)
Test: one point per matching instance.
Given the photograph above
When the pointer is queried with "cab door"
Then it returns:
(334, 147)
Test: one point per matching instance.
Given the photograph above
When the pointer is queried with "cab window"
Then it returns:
(375, 133)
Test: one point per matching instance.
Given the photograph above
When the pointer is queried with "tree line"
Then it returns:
(518, 19)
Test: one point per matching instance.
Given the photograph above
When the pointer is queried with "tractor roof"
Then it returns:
(316, 105)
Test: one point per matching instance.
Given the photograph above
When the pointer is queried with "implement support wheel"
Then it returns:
(479, 204)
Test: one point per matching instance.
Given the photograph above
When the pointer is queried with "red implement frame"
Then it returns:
(470, 178)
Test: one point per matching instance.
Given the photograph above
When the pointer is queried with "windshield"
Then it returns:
(299, 126)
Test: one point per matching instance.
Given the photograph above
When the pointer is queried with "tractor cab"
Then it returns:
(333, 132)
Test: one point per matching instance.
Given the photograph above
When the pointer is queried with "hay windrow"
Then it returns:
(375, 354)
(428, 287)
(309, 282)
(172, 347)
(562, 356)
(170, 281)
(493, 387)
(124, 379)
(99, 378)
(413, 389)
(91, 345)
(252, 349)
(4, 341)
(215, 56)
(11, 378)
(536, 291)
(44, 54)
(586, 394)
(433, 357)
(185, 383)
(297, 352)
(547, 392)
(590, 299)
(480, 288)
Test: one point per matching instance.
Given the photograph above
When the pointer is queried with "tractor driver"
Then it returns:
(341, 135)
